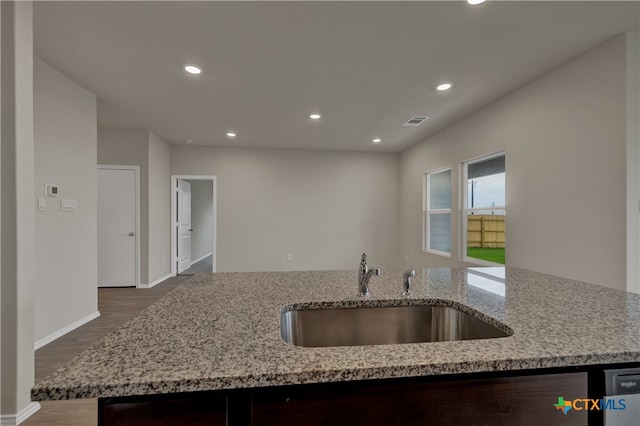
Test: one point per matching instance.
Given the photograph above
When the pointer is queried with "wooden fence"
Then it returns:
(485, 231)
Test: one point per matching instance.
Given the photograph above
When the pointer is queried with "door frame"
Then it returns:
(174, 218)
(136, 170)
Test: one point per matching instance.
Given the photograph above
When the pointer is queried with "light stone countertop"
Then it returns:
(221, 331)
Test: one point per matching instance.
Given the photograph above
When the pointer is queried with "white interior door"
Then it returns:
(184, 225)
(117, 204)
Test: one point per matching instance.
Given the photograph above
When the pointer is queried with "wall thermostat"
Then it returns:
(51, 190)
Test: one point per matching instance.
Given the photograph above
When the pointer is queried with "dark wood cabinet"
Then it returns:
(526, 400)
(193, 409)
(485, 399)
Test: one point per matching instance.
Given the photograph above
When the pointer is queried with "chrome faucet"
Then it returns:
(406, 281)
(364, 275)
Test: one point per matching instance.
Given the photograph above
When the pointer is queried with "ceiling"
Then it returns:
(366, 67)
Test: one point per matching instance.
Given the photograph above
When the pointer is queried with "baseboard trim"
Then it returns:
(156, 282)
(50, 338)
(203, 257)
(24, 414)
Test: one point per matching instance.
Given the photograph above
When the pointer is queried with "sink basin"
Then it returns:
(388, 325)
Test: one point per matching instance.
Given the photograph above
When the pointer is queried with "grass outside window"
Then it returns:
(495, 255)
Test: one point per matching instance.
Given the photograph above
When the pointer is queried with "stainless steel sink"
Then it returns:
(359, 326)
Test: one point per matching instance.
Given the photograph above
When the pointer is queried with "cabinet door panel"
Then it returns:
(189, 410)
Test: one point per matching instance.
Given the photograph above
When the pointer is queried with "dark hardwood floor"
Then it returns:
(116, 305)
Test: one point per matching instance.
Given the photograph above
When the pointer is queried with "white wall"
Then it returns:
(131, 148)
(66, 242)
(325, 208)
(564, 136)
(201, 218)
(17, 227)
(159, 208)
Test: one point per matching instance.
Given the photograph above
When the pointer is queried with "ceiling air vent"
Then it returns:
(415, 121)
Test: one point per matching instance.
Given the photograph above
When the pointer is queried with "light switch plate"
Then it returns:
(42, 204)
(68, 205)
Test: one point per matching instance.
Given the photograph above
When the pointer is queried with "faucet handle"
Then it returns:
(406, 281)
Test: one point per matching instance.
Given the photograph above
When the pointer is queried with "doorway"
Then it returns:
(193, 218)
(118, 226)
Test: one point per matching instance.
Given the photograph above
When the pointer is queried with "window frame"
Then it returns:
(427, 211)
(464, 209)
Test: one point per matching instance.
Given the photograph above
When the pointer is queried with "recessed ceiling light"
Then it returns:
(444, 86)
(189, 140)
(315, 116)
(192, 69)
(376, 140)
(475, 2)
(231, 134)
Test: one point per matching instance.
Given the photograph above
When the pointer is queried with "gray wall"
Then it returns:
(633, 160)
(146, 150)
(66, 242)
(325, 208)
(564, 136)
(17, 226)
(118, 147)
(201, 218)
(159, 208)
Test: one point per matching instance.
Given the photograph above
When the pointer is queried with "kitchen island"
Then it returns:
(214, 345)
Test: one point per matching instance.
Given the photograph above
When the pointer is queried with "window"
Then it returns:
(484, 210)
(437, 212)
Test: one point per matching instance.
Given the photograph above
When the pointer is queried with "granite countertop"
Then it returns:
(221, 331)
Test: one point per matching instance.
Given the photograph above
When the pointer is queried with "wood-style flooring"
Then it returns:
(116, 305)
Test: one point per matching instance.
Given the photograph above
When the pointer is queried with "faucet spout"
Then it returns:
(364, 275)
(406, 282)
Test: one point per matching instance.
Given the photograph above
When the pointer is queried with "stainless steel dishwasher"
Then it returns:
(621, 404)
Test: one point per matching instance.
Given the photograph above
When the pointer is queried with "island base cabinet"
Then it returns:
(523, 400)
(481, 401)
